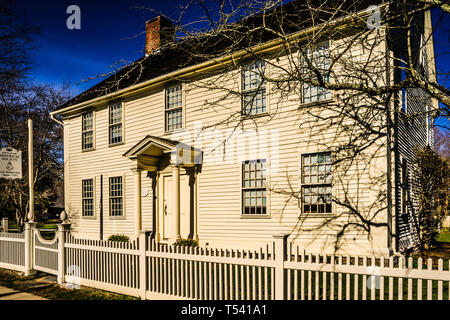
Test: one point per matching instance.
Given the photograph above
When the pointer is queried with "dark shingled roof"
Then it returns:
(179, 55)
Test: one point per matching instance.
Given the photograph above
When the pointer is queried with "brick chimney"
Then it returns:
(159, 31)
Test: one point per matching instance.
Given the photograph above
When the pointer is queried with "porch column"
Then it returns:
(137, 201)
(176, 200)
(196, 204)
(158, 234)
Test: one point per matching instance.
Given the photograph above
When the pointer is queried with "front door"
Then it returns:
(167, 224)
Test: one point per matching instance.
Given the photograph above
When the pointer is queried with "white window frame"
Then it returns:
(93, 216)
(263, 88)
(326, 93)
(317, 184)
(122, 216)
(110, 125)
(181, 108)
(265, 189)
(83, 131)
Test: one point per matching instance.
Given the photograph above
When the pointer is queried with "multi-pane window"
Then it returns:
(254, 187)
(87, 130)
(115, 197)
(253, 89)
(316, 183)
(174, 108)
(115, 123)
(88, 197)
(320, 59)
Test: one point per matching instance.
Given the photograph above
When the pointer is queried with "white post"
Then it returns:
(137, 201)
(29, 248)
(5, 226)
(196, 205)
(62, 229)
(280, 256)
(176, 200)
(158, 234)
(142, 266)
(30, 170)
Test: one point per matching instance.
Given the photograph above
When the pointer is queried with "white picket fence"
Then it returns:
(150, 270)
(12, 251)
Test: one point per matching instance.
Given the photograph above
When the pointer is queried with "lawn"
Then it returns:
(15, 280)
(444, 236)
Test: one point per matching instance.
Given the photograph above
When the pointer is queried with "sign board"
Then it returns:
(10, 163)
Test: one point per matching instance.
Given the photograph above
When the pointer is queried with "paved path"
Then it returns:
(11, 294)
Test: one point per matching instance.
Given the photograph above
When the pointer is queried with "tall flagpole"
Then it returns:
(30, 170)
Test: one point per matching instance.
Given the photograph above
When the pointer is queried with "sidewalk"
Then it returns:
(11, 294)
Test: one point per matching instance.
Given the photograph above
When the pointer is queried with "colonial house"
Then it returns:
(157, 148)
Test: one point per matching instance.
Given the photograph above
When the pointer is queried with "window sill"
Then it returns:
(316, 215)
(89, 217)
(116, 144)
(87, 150)
(261, 216)
(116, 217)
(174, 131)
(316, 103)
(254, 116)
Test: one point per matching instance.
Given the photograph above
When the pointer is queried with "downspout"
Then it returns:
(52, 116)
(101, 207)
(388, 147)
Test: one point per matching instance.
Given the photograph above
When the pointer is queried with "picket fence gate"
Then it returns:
(150, 270)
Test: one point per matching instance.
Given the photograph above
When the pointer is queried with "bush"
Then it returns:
(186, 243)
(434, 184)
(118, 238)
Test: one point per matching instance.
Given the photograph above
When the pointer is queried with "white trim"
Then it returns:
(240, 84)
(334, 189)
(94, 203)
(122, 105)
(93, 131)
(183, 112)
(267, 215)
(123, 216)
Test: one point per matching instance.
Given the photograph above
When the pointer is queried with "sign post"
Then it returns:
(30, 170)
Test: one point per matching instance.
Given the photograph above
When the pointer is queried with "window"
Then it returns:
(316, 183)
(88, 197)
(115, 123)
(87, 131)
(174, 108)
(115, 197)
(253, 89)
(320, 59)
(254, 187)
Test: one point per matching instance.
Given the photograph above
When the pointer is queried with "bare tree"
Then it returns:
(20, 100)
(350, 92)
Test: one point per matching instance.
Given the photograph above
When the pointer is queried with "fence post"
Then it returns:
(62, 230)
(29, 248)
(142, 265)
(5, 226)
(280, 256)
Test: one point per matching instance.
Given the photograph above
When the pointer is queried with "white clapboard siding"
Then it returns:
(219, 200)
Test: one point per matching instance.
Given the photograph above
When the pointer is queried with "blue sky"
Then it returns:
(64, 55)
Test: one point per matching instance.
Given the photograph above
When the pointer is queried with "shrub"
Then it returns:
(434, 185)
(118, 238)
(186, 243)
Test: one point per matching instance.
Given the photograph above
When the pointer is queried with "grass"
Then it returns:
(13, 280)
(444, 236)
(395, 294)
